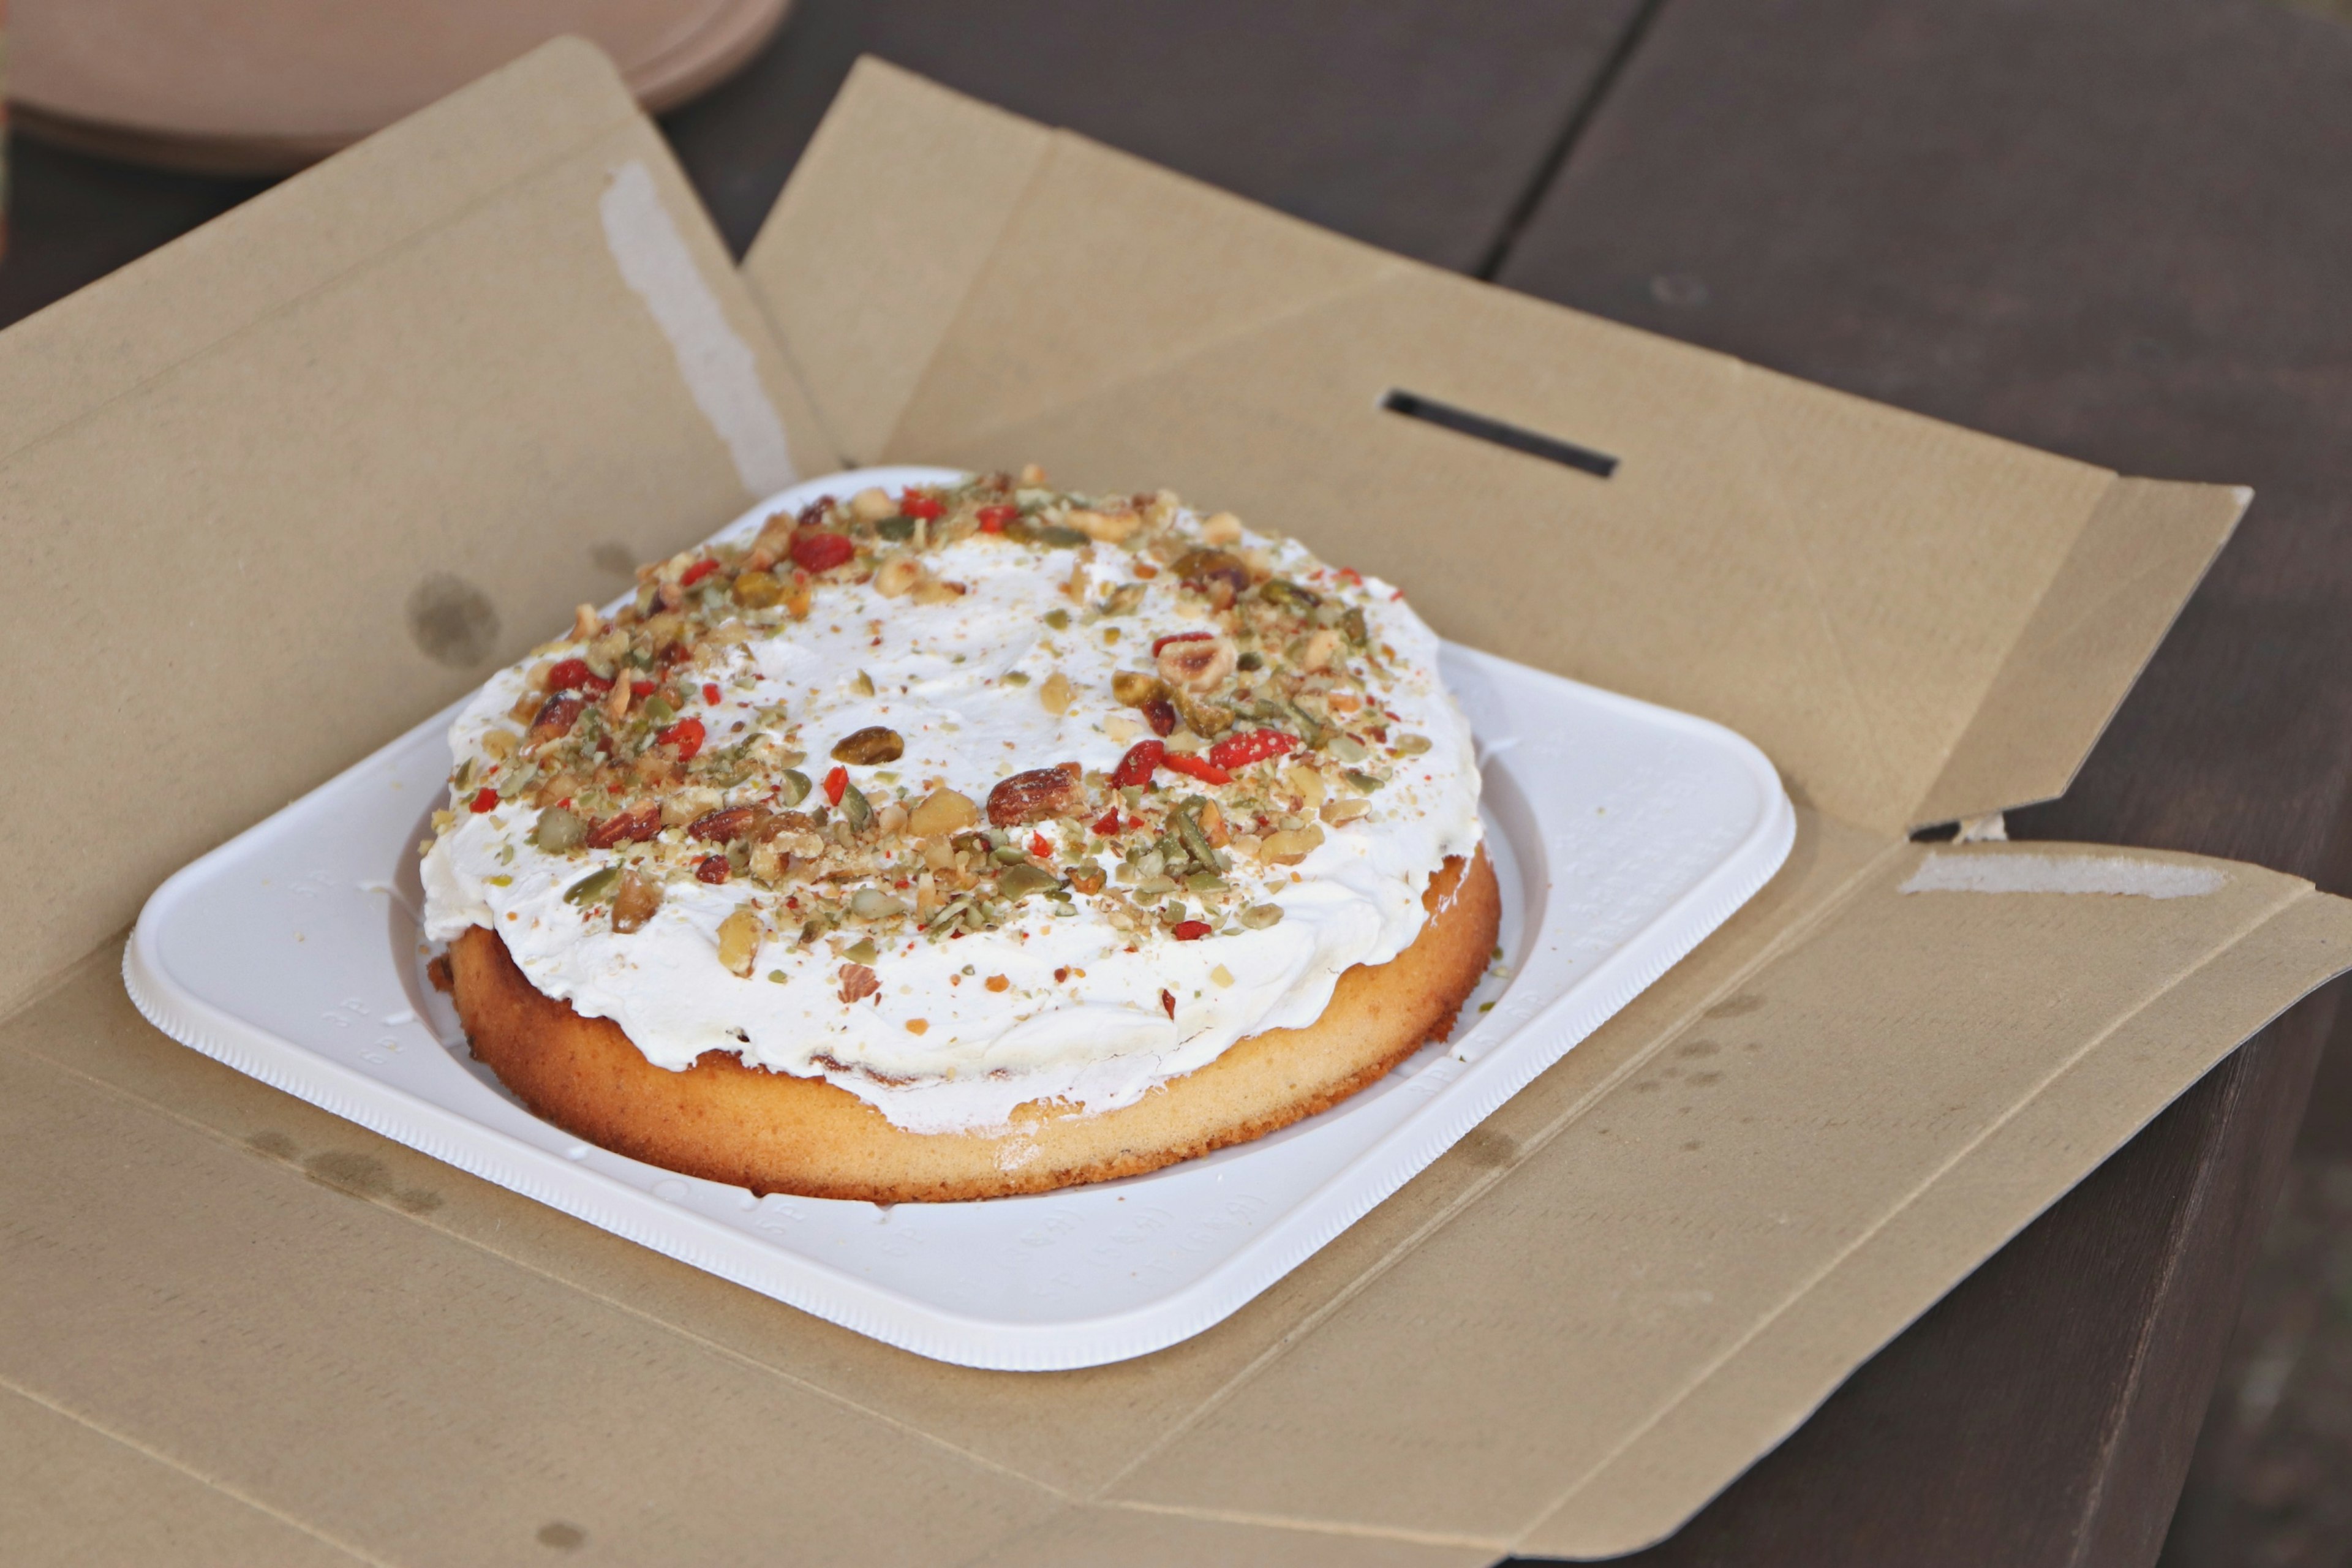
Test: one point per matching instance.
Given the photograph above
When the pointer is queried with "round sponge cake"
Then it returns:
(773, 1132)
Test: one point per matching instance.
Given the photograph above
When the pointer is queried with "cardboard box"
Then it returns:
(280, 490)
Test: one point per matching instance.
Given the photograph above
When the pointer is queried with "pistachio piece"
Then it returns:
(1202, 718)
(1134, 688)
(1209, 566)
(870, 747)
(557, 831)
(758, 590)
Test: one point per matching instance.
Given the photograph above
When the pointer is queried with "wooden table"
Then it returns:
(2114, 228)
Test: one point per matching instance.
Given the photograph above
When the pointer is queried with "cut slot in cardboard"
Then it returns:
(329, 460)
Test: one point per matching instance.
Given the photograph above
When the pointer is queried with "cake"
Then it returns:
(962, 840)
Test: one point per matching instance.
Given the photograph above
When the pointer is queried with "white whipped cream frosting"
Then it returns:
(1102, 1036)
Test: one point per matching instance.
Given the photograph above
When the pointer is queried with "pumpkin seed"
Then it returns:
(1020, 881)
(1259, 917)
(1409, 745)
(873, 904)
(559, 831)
(862, 950)
(591, 887)
(793, 786)
(1362, 783)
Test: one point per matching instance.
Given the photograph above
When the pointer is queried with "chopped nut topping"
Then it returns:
(1196, 664)
(870, 747)
(739, 942)
(635, 902)
(1034, 795)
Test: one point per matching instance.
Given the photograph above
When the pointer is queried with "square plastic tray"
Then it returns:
(1622, 834)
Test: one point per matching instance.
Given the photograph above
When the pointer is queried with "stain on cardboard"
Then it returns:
(451, 621)
(615, 558)
(1697, 1048)
(1486, 1148)
(1701, 1079)
(365, 1177)
(360, 1175)
(562, 1536)
(1737, 1006)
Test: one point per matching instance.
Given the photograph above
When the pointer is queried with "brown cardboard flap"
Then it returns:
(863, 338)
(1913, 1080)
(2131, 569)
(1844, 582)
(322, 465)
(70, 1492)
(1882, 1086)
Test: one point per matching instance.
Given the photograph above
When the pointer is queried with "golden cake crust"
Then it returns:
(776, 1134)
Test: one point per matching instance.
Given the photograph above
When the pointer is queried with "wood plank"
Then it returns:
(2089, 227)
(1417, 125)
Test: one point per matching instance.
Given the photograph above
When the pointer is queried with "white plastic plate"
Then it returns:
(1622, 834)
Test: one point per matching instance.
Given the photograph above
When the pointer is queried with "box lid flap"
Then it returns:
(392, 420)
(1846, 584)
